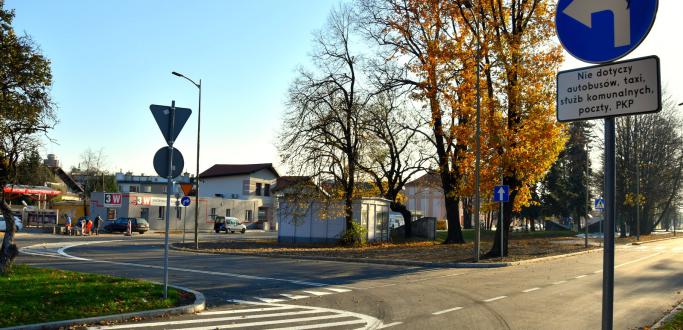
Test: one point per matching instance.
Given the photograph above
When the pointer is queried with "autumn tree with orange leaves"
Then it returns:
(520, 60)
(435, 44)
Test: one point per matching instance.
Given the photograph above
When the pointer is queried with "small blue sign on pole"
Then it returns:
(600, 204)
(599, 31)
(501, 193)
(185, 201)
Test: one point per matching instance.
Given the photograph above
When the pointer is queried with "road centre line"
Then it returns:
(496, 298)
(580, 276)
(531, 290)
(559, 282)
(447, 310)
(637, 260)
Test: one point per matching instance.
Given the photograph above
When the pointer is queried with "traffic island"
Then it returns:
(34, 298)
(523, 246)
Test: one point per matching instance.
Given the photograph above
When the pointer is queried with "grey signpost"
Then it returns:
(607, 91)
(168, 162)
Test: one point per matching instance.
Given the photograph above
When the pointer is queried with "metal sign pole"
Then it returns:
(169, 187)
(502, 230)
(608, 263)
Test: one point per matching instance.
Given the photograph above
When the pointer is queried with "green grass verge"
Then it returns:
(468, 234)
(676, 323)
(33, 295)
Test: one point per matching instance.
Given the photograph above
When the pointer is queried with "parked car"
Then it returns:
(228, 224)
(17, 222)
(139, 225)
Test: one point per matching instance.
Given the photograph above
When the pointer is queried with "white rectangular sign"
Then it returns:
(614, 89)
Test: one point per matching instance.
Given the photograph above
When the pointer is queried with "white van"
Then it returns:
(395, 220)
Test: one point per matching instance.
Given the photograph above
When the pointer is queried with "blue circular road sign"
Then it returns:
(599, 31)
(185, 201)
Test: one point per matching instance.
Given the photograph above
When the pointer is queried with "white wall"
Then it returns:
(227, 186)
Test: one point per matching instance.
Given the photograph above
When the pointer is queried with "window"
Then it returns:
(262, 214)
(177, 212)
(213, 212)
(144, 213)
(133, 189)
(227, 212)
(258, 189)
(266, 190)
(161, 213)
(248, 215)
(111, 213)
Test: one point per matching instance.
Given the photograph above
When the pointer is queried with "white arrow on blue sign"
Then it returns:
(501, 193)
(599, 31)
(185, 201)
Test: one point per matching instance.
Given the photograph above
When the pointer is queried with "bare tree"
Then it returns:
(395, 151)
(321, 134)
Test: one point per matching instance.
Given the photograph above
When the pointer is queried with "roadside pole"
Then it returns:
(169, 187)
(502, 231)
(608, 251)
(588, 198)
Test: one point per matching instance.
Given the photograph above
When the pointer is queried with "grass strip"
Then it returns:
(34, 295)
(675, 323)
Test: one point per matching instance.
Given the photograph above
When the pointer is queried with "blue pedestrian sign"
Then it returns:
(600, 204)
(599, 31)
(501, 194)
(185, 201)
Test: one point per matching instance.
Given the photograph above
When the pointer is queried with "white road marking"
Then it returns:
(217, 319)
(293, 296)
(496, 298)
(250, 310)
(559, 282)
(262, 323)
(269, 300)
(639, 259)
(597, 272)
(580, 276)
(323, 325)
(531, 290)
(389, 325)
(62, 252)
(447, 310)
(338, 290)
(317, 293)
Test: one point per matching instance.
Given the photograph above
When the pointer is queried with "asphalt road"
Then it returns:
(255, 292)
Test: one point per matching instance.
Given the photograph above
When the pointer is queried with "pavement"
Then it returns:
(265, 293)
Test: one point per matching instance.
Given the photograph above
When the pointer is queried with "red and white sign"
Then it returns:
(112, 200)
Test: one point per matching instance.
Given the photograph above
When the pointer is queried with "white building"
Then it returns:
(252, 182)
(425, 197)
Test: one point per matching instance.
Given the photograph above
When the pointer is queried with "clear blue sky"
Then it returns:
(112, 58)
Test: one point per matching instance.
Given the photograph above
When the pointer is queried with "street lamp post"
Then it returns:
(477, 193)
(199, 126)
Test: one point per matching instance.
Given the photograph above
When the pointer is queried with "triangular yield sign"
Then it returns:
(187, 188)
(162, 115)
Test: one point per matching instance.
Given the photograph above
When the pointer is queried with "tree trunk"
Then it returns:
(453, 217)
(532, 222)
(407, 217)
(9, 250)
(467, 203)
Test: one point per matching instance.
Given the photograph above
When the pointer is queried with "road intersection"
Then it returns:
(562, 293)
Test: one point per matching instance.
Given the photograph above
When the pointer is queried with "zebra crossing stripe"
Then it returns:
(317, 293)
(262, 323)
(322, 325)
(222, 319)
(250, 310)
(338, 290)
(293, 296)
(269, 300)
